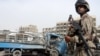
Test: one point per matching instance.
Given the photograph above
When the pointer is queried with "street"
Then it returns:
(97, 53)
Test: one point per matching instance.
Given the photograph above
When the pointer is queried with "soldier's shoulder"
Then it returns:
(92, 17)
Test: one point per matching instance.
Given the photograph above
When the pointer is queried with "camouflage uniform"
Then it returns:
(86, 23)
(88, 29)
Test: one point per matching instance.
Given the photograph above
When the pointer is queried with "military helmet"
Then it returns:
(82, 2)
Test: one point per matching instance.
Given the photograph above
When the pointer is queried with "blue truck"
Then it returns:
(25, 44)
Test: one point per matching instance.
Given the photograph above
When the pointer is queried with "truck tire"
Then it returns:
(2, 53)
(54, 53)
(17, 53)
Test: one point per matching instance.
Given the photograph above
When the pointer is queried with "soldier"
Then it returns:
(88, 29)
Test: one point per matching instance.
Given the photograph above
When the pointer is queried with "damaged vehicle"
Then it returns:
(56, 44)
(23, 44)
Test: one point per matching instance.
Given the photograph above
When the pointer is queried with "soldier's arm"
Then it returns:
(93, 28)
(93, 34)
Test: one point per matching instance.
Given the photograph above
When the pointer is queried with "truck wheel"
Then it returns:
(2, 53)
(54, 53)
(17, 53)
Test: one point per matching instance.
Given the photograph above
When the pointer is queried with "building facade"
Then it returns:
(3, 34)
(29, 28)
(61, 28)
(49, 30)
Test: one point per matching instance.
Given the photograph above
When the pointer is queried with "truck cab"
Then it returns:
(57, 44)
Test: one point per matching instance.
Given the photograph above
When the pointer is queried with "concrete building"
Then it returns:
(49, 30)
(3, 34)
(61, 28)
(5, 31)
(29, 28)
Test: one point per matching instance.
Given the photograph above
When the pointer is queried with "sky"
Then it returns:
(42, 13)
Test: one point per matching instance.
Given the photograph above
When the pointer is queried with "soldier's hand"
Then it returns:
(67, 38)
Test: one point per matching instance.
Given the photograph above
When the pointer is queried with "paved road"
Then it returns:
(97, 52)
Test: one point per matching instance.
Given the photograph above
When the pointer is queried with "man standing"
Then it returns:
(88, 29)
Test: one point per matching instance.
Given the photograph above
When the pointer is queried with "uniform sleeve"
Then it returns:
(94, 34)
(89, 27)
(93, 29)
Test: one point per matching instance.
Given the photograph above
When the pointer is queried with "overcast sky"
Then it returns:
(43, 13)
